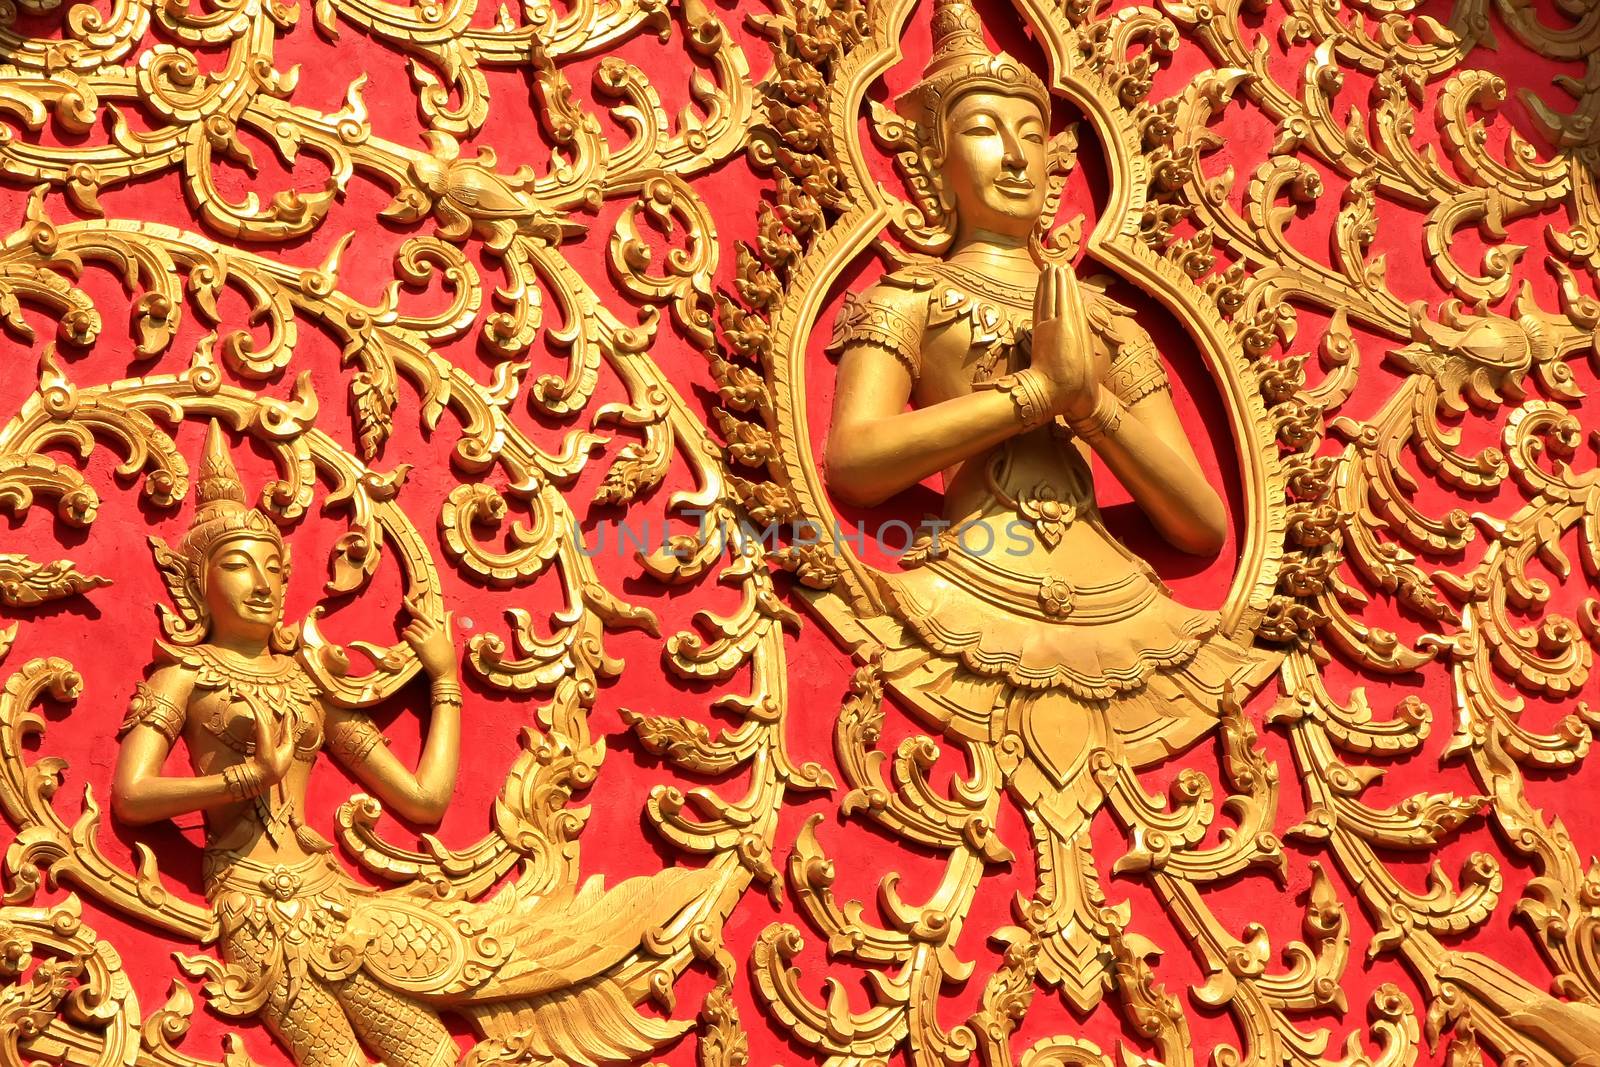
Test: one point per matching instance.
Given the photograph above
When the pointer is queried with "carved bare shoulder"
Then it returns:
(890, 314)
(161, 702)
(1135, 369)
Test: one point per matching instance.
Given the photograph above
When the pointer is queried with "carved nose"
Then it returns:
(1012, 155)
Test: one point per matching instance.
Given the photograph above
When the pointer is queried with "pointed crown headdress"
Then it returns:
(962, 63)
(221, 516)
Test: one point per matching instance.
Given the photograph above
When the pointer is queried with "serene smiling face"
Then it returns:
(994, 162)
(243, 588)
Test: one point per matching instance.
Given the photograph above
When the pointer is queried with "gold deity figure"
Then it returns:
(1026, 618)
(330, 965)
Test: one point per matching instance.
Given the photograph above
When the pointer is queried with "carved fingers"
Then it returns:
(274, 747)
(431, 640)
(1061, 348)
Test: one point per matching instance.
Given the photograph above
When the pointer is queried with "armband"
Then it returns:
(882, 324)
(353, 740)
(152, 709)
(1136, 372)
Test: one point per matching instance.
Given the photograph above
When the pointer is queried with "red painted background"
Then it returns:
(108, 635)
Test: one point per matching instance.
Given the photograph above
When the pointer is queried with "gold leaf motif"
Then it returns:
(25, 582)
(1348, 405)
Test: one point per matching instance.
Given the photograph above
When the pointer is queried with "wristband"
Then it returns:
(1102, 421)
(1027, 391)
(242, 779)
(446, 692)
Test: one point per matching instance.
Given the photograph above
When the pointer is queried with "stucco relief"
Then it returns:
(441, 295)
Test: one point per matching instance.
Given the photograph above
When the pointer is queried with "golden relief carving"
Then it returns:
(1311, 511)
(1051, 677)
(1066, 654)
(327, 963)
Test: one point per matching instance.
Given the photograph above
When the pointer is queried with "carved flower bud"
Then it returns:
(1055, 597)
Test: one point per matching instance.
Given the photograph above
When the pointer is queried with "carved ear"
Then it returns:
(923, 227)
(286, 636)
(184, 623)
(1052, 243)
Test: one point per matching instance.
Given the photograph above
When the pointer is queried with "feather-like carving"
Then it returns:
(587, 1026)
(183, 622)
(25, 582)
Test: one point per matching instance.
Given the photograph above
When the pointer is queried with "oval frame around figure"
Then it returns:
(1059, 765)
(1114, 243)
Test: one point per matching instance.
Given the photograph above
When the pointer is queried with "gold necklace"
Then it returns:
(993, 288)
(237, 668)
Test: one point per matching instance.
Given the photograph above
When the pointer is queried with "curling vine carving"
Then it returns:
(1379, 538)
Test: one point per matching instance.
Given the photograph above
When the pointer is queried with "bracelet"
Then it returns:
(1103, 420)
(242, 779)
(446, 692)
(1027, 392)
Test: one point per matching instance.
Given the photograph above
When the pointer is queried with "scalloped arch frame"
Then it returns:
(1115, 243)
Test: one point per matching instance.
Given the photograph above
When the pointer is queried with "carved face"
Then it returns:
(243, 588)
(994, 162)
